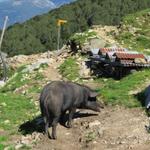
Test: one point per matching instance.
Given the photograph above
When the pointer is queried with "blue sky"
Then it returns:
(3, 0)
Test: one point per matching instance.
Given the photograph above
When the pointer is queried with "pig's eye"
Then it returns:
(92, 99)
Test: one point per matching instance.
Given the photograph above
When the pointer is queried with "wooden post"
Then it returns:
(1, 57)
(59, 23)
(58, 40)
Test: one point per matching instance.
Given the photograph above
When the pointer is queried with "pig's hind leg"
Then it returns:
(54, 125)
(46, 121)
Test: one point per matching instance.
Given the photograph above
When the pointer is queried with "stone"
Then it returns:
(94, 142)
(100, 132)
(105, 80)
(94, 123)
(18, 146)
(97, 43)
(36, 65)
(84, 70)
(67, 133)
(26, 139)
(7, 121)
(3, 104)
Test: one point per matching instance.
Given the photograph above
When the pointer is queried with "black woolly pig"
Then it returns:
(58, 96)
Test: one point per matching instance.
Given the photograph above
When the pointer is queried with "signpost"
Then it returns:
(59, 23)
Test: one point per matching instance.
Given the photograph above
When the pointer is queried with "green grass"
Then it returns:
(90, 136)
(18, 79)
(117, 92)
(70, 69)
(17, 109)
(114, 92)
(38, 76)
(35, 89)
(2, 140)
(140, 40)
(14, 110)
(22, 78)
(2, 146)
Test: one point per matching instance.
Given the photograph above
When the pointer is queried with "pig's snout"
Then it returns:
(93, 105)
(100, 105)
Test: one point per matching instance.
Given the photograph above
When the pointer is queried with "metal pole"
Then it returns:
(58, 38)
(1, 39)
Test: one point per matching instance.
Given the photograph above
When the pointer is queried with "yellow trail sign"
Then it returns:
(60, 22)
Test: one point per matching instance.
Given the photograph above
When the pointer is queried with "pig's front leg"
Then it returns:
(71, 113)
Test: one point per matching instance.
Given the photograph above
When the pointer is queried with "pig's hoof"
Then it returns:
(69, 125)
(54, 137)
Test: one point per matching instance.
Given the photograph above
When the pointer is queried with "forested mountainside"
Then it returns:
(39, 34)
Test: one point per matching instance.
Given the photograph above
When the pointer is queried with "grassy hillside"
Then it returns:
(40, 33)
(128, 92)
(135, 32)
(19, 104)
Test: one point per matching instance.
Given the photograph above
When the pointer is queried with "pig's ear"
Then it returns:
(93, 94)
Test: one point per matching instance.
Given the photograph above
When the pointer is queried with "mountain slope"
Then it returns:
(135, 31)
(40, 33)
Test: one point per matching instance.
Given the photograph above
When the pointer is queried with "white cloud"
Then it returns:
(17, 2)
(43, 3)
(37, 3)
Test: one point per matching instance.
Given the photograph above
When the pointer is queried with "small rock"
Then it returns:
(18, 146)
(100, 132)
(7, 121)
(94, 142)
(3, 104)
(24, 92)
(36, 136)
(104, 141)
(112, 143)
(105, 80)
(26, 140)
(95, 123)
(68, 133)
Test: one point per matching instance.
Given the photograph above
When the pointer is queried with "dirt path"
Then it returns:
(113, 129)
(51, 73)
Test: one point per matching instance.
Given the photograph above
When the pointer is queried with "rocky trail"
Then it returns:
(114, 128)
